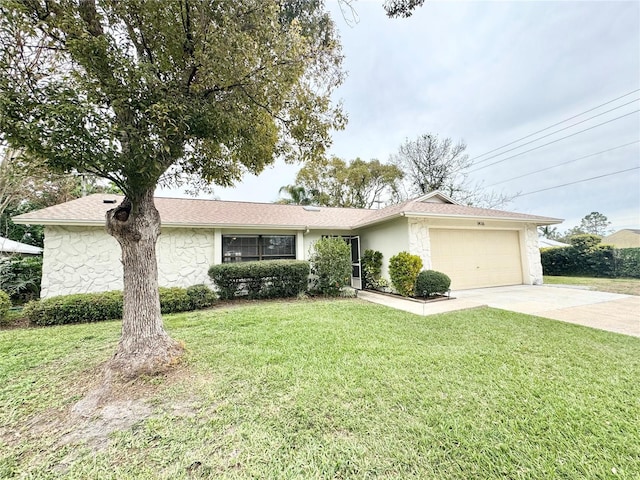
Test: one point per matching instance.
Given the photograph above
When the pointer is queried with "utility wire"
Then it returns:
(556, 124)
(554, 141)
(578, 181)
(563, 163)
(557, 131)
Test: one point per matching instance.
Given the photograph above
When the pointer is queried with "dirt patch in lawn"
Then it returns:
(107, 407)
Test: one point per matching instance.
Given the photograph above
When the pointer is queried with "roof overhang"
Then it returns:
(101, 223)
(537, 221)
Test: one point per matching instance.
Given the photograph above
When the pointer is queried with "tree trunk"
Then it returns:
(144, 347)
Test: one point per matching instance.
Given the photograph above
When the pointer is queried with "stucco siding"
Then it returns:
(184, 256)
(87, 259)
(389, 238)
(79, 260)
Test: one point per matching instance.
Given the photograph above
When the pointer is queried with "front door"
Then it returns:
(356, 280)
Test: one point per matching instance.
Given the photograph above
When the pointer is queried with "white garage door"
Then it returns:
(477, 258)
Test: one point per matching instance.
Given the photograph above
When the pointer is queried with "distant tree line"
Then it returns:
(420, 166)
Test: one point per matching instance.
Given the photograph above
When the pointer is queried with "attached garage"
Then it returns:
(477, 258)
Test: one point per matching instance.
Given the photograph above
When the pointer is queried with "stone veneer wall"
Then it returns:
(419, 241)
(533, 255)
(87, 259)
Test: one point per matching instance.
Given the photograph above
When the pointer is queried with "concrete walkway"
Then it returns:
(606, 311)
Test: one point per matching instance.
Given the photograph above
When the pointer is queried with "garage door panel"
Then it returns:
(477, 258)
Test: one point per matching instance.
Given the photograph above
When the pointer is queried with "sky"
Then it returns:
(488, 74)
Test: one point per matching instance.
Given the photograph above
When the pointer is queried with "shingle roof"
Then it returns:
(91, 210)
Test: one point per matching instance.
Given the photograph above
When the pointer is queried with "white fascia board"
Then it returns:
(537, 221)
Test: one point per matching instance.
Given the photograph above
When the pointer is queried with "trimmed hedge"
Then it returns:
(598, 261)
(627, 262)
(201, 296)
(403, 270)
(76, 308)
(95, 307)
(431, 282)
(266, 279)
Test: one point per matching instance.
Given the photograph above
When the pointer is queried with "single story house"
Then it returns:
(476, 247)
(11, 247)
(627, 238)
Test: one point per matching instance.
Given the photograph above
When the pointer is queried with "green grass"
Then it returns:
(627, 286)
(337, 389)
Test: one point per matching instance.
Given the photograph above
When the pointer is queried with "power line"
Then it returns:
(556, 124)
(557, 131)
(563, 163)
(578, 181)
(554, 141)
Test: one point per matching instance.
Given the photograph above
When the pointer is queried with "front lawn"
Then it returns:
(627, 286)
(331, 389)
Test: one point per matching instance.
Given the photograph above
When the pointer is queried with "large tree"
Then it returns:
(361, 184)
(430, 163)
(26, 185)
(595, 223)
(144, 91)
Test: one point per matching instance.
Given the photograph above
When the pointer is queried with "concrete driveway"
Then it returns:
(606, 311)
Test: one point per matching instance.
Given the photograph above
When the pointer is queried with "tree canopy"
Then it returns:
(430, 163)
(147, 91)
(595, 223)
(128, 90)
(360, 184)
(401, 8)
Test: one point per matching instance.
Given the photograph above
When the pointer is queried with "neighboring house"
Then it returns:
(545, 242)
(628, 238)
(476, 247)
(11, 247)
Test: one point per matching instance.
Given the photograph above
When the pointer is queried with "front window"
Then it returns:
(247, 248)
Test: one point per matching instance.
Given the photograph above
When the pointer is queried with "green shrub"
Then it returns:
(559, 261)
(201, 296)
(599, 261)
(585, 242)
(430, 282)
(76, 308)
(371, 262)
(591, 260)
(95, 307)
(266, 279)
(5, 304)
(627, 261)
(174, 299)
(20, 277)
(403, 270)
(331, 265)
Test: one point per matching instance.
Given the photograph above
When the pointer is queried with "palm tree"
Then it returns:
(298, 195)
